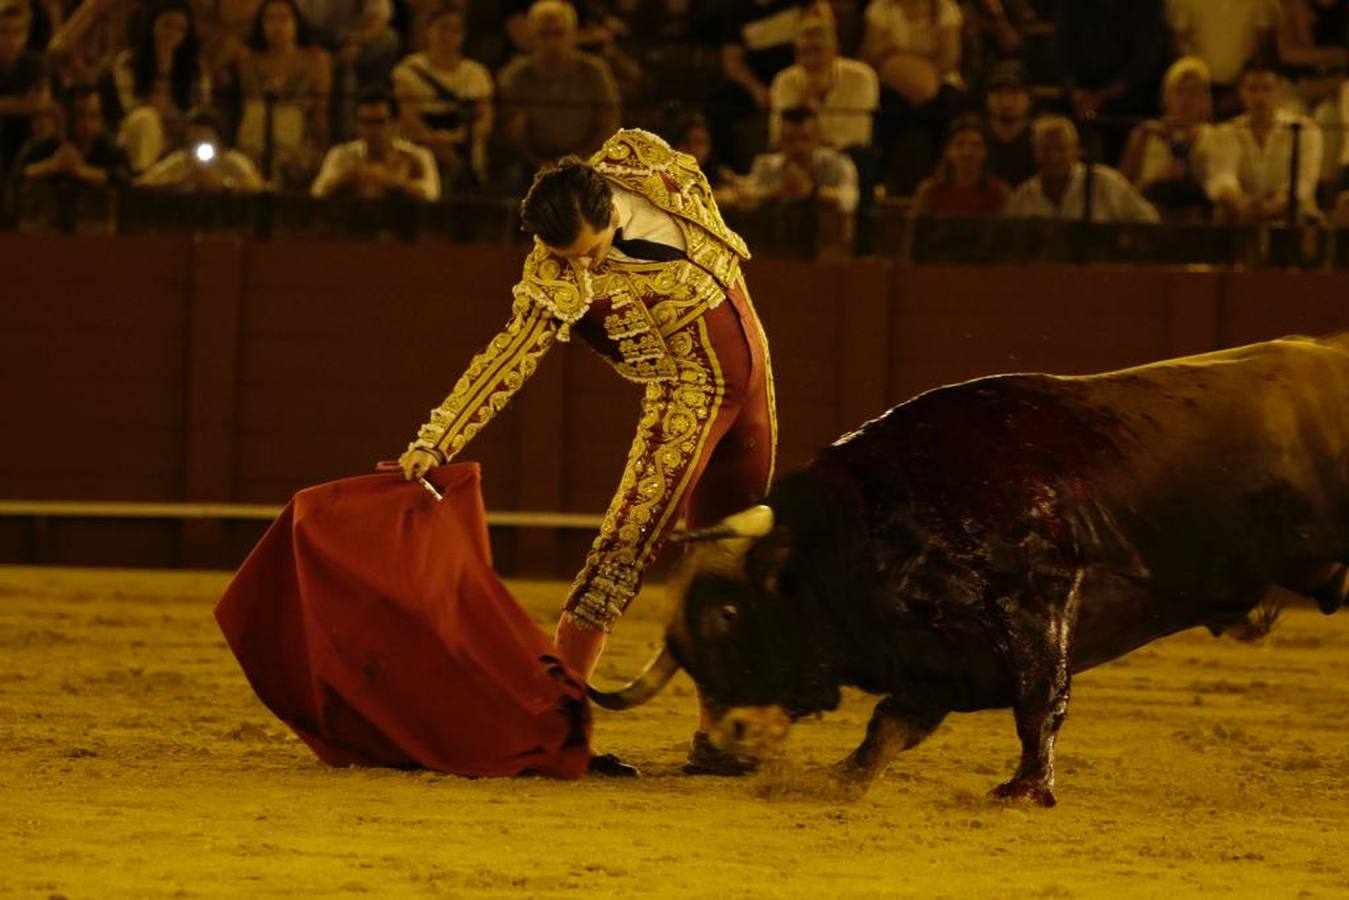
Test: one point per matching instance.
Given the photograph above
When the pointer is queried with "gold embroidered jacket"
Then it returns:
(628, 308)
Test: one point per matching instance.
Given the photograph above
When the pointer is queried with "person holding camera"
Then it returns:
(205, 164)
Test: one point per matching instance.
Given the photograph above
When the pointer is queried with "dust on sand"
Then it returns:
(137, 762)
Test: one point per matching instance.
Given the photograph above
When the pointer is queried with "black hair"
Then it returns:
(1260, 62)
(205, 117)
(186, 66)
(563, 196)
(959, 125)
(441, 10)
(257, 39)
(372, 95)
(962, 123)
(799, 115)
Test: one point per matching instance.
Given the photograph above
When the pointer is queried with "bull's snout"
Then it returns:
(756, 730)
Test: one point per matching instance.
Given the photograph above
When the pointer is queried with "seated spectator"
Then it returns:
(87, 43)
(757, 42)
(222, 29)
(205, 164)
(23, 81)
(599, 28)
(992, 31)
(1248, 177)
(1011, 156)
(962, 185)
(1225, 36)
(1112, 55)
(1311, 45)
(364, 44)
(915, 47)
(283, 68)
(1168, 158)
(157, 81)
(844, 92)
(1059, 189)
(556, 100)
(378, 163)
(447, 101)
(692, 135)
(803, 168)
(82, 151)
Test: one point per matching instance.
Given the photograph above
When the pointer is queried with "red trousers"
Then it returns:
(704, 448)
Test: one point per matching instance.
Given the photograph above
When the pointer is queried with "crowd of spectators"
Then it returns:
(1109, 110)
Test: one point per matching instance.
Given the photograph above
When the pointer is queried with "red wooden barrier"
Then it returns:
(221, 370)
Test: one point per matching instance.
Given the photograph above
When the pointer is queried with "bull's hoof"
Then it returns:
(847, 771)
(852, 780)
(1036, 792)
(706, 759)
(607, 765)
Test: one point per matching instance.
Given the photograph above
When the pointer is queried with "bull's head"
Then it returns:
(741, 628)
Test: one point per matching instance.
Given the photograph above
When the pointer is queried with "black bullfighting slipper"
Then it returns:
(705, 759)
(607, 765)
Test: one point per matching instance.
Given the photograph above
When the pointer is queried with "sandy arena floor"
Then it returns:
(136, 762)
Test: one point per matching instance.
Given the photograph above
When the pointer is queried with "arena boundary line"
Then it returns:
(81, 509)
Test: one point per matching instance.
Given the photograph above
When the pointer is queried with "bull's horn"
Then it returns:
(755, 522)
(642, 688)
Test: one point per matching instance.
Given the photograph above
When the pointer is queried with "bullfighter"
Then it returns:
(631, 254)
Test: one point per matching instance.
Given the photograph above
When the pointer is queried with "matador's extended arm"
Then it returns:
(548, 300)
(490, 381)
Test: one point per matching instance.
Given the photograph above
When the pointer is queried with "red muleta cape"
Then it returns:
(370, 620)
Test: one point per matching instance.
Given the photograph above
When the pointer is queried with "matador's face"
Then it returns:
(591, 245)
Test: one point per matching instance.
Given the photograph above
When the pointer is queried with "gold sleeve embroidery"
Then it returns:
(490, 381)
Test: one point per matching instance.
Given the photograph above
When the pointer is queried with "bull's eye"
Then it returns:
(729, 614)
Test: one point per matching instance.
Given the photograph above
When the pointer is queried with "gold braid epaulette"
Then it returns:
(644, 163)
(555, 285)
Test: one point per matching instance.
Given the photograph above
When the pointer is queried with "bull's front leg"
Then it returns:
(1040, 643)
(894, 728)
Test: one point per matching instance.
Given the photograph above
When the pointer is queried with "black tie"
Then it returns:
(640, 249)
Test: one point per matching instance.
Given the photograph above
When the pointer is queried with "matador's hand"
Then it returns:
(417, 462)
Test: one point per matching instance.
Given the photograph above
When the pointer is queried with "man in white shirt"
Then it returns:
(845, 92)
(1059, 189)
(378, 163)
(1250, 167)
(802, 168)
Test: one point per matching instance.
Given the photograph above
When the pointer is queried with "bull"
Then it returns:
(976, 546)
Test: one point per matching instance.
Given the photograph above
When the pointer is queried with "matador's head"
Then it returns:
(570, 207)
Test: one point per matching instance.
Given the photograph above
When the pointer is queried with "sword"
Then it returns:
(389, 465)
(431, 488)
